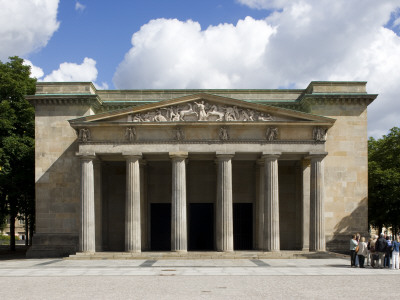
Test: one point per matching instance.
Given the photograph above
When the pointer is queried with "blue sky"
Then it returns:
(102, 30)
(211, 44)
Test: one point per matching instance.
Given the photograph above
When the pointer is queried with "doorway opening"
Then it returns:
(160, 226)
(201, 226)
(243, 226)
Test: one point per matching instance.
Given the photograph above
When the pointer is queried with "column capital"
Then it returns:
(316, 155)
(224, 155)
(270, 156)
(178, 154)
(86, 155)
(132, 155)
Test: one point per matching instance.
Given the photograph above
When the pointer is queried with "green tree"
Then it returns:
(16, 142)
(384, 180)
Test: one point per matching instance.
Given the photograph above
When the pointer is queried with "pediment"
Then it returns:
(204, 108)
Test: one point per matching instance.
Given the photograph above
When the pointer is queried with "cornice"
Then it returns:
(337, 99)
(66, 99)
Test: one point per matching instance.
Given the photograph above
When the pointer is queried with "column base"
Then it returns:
(179, 251)
(133, 251)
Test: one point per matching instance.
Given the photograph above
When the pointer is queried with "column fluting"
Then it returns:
(224, 203)
(317, 207)
(132, 205)
(88, 233)
(271, 204)
(178, 218)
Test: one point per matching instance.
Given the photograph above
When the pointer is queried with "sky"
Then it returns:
(179, 44)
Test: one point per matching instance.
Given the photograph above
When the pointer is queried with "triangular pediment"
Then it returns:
(204, 108)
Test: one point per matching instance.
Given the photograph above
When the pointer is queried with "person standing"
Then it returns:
(373, 253)
(369, 258)
(380, 248)
(395, 253)
(362, 251)
(353, 246)
(388, 252)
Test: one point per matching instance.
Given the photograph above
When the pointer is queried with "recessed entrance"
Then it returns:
(201, 226)
(243, 226)
(160, 226)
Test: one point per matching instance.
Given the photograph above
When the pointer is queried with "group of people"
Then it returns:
(378, 251)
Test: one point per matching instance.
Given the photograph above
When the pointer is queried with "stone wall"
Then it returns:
(57, 177)
(346, 173)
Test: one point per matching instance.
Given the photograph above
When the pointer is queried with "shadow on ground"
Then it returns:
(19, 253)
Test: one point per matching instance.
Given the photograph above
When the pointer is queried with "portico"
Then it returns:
(265, 230)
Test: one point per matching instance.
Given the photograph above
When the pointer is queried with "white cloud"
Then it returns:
(299, 41)
(86, 71)
(175, 54)
(79, 6)
(36, 72)
(26, 26)
(102, 86)
(265, 4)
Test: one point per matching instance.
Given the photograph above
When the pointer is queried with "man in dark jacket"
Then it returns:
(380, 248)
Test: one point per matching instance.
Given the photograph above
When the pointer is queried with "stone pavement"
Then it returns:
(179, 267)
(195, 279)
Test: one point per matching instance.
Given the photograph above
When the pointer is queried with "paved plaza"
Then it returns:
(184, 279)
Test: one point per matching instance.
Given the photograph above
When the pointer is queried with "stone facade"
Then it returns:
(182, 170)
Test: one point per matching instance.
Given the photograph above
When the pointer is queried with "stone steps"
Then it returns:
(206, 255)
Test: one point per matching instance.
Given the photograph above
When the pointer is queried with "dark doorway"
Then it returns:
(201, 226)
(243, 226)
(161, 226)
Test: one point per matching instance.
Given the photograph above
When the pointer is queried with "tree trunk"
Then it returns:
(26, 231)
(31, 228)
(12, 232)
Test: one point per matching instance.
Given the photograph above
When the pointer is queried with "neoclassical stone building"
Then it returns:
(189, 170)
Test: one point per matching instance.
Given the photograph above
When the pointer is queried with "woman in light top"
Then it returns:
(362, 251)
(395, 253)
(353, 254)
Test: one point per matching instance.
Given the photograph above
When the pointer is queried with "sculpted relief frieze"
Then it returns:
(201, 111)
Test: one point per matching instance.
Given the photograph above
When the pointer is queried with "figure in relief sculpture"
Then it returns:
(230, 113)
(173, 116)
(179, 134)
(223, 134)
(272, 134)
(215, 112)
(159, 117)
(130, 134)
(187, 112)
(202, 111)
(264, 117)
(319, 134)
(84, 135)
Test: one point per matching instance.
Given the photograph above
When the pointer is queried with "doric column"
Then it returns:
(260, 204)
(224, 203)
(178, 220)
(132, 204)
(271, 204)
(317, 209)
(305, 202)
(88, 231)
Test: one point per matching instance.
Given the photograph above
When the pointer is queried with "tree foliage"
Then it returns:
(384, 180)
(17, 133)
